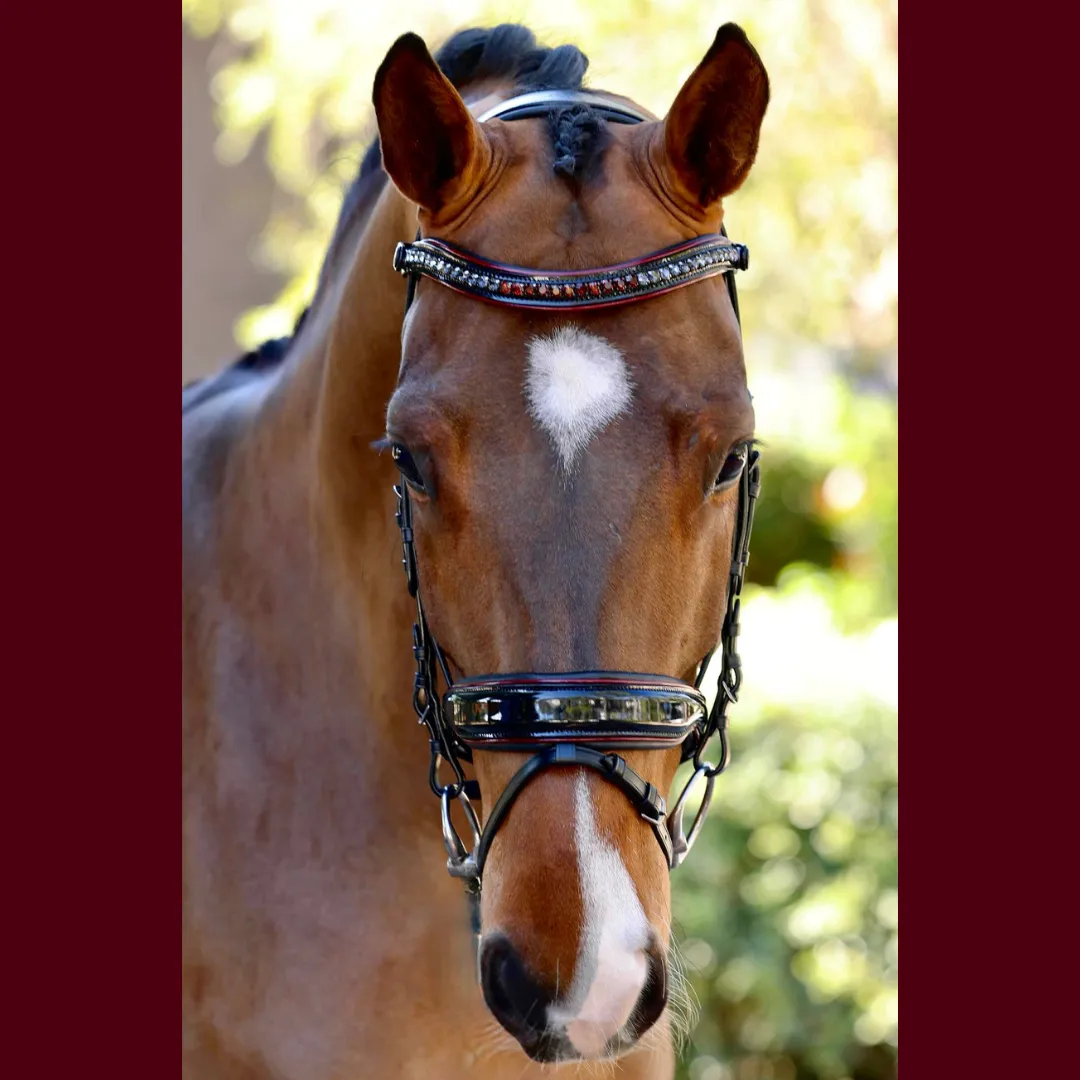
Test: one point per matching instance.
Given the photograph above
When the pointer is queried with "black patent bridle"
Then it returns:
(578, 718)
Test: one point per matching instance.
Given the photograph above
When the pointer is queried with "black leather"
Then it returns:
(543, 102)
(646, 799)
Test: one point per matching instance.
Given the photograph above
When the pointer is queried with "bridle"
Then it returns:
(572, 718)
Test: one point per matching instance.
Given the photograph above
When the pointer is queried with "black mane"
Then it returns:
(506, 51)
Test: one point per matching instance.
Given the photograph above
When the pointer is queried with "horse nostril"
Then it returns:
(654, 994)
(517, 1000)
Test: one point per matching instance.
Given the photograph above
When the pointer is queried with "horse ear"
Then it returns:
(432, 147)
(711, 132)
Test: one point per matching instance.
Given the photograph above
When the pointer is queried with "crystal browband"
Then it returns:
(651, 275)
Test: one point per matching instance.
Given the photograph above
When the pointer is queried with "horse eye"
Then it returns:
(403, 459)
(733, 467)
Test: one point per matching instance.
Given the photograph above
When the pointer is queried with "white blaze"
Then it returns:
(612, 966)
(576, 384)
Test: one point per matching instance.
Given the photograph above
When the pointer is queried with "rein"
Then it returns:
(573, 718)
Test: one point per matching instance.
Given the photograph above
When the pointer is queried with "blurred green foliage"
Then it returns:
(787, 912)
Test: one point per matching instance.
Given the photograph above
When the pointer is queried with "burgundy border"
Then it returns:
(147, 877)
(988, 818)
(90, 872)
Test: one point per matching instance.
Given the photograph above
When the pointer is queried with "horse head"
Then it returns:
(571, 464)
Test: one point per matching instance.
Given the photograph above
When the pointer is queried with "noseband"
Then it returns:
(576, 718)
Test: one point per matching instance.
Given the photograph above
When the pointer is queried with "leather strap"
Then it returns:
(646, 799)
(542, 102)
(571, 290)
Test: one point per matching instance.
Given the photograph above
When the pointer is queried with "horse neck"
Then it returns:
(333, 553)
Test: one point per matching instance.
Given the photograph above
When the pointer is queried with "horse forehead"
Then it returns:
(687, 340)
(572, 382)
(531, 216)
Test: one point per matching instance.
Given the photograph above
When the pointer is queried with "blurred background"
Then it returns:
(787, 913)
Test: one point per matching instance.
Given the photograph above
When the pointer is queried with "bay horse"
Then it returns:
(544, 415)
